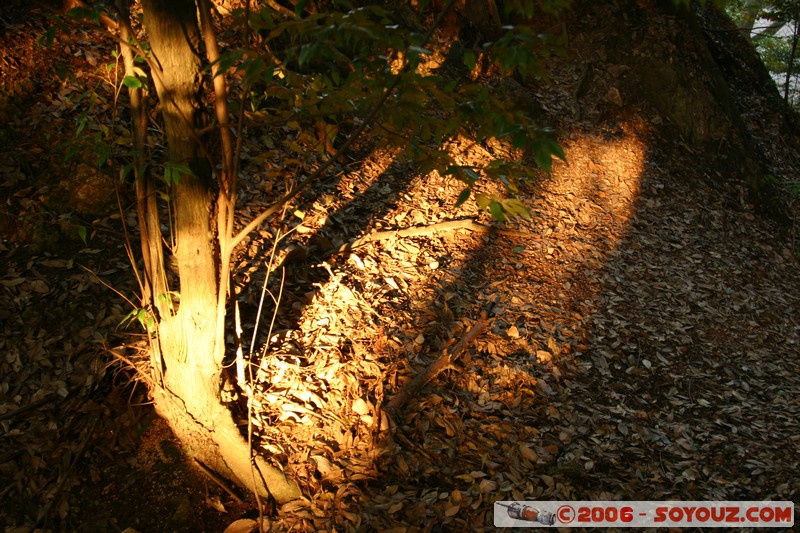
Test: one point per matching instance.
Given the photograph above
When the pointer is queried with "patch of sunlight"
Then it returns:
(604, 171)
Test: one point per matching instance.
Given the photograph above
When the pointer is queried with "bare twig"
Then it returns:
(218, 480)
(106, 285)
(150, 381)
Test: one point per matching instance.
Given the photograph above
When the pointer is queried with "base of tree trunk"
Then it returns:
(223, 449)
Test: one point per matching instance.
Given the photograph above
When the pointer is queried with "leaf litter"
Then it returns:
(642, 344)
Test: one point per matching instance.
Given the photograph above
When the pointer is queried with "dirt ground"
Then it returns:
(641, 331)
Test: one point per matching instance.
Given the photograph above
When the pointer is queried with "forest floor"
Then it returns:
(641, 333)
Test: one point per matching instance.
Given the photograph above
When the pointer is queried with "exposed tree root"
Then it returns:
(223, 450)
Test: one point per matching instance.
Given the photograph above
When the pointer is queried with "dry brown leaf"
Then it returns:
(528, 453)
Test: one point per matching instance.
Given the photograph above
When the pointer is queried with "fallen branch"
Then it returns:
(29, 407)
(89, 427)
(445, 361)
(416, 231)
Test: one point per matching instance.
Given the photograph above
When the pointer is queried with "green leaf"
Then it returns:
(515, 208)
(464, 196)
(174, 171)
(307, 51)
(227, 60)
(496, 209)
(103, 151)
(171, 176)
(46, 40)
(544, 148)
(470, 60)
(462, 173)
(85, 13)
(126, 171)
(256, 70)
(132, 82)
(140, 315)
(558, 151)
(82, 233)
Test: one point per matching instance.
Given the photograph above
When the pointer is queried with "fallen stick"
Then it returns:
(218, 480)
(415, 231)
(445, 361)
(65, 474)
(31, 406)
(298, 252)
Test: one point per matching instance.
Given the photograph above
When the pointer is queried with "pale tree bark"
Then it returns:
(187, 340)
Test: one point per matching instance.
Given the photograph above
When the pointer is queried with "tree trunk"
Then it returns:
(187, 341)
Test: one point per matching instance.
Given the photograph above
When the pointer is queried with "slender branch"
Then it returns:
(280, 9)
(218, 480)
(139, 130)
(136, 97)
(107, 286)
(227, 182)
(226, 199)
